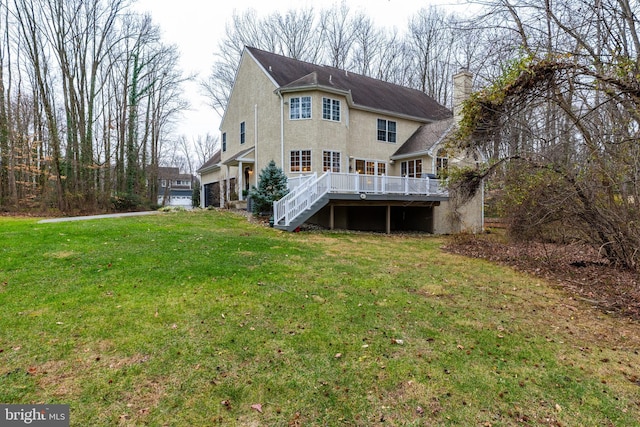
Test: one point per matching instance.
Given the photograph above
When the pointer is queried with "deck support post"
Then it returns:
(388, 219)
(331, 217)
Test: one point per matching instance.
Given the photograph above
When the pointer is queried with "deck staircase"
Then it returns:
(311, 193)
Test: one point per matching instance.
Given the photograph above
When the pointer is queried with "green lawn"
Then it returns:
(195, 319)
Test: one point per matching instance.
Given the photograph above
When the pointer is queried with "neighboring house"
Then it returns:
(174, 188)
(359, 153)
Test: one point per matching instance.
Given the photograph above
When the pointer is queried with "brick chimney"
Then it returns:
(462, 88)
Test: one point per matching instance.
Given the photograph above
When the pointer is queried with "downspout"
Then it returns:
(281, 130)
(482, 206)
(255, 145)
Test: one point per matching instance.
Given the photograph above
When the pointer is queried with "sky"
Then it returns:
(196, 26)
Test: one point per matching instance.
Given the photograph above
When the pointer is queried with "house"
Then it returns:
(359, 153)
(174, 188)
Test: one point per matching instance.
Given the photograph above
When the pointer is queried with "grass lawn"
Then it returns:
(201, 318)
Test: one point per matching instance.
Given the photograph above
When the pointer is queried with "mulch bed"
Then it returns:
(578, 268)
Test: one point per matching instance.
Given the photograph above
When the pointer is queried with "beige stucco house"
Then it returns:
(359, 153)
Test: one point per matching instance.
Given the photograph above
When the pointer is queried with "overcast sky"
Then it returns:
(196, 26)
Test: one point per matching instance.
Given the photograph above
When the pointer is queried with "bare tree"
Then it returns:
(568, 113)
(28, 19)
(90, 76)
(205, 147)
(7, 191)
(339, 29)
(296, 33)
(432, 41)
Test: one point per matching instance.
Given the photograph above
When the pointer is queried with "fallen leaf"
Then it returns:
(338, 355)
(257, 407)
(419, 410)
(397, 341)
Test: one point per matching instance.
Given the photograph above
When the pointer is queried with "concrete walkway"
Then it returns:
(84, 218)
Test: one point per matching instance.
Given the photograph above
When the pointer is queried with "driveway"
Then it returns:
(84, 218)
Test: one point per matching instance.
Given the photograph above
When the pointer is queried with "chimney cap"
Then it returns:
(463, 70)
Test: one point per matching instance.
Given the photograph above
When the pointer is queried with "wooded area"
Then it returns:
(560, 126)
(87, 90)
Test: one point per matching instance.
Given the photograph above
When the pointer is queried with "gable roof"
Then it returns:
(240, 156)
(425, 139)
(211, 164)
(364, 92)
(173, 173)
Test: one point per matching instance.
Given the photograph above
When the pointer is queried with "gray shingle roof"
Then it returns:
(213, 161)
(425, 138)
(366, 92)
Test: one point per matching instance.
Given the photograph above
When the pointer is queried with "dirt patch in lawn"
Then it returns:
(578, 268)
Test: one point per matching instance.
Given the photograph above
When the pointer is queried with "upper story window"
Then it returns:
(331, 109)
(331, 161)
(411, 168)
(442, 163)
(300, 161)
(224, 142)
(300, 108)
(386, 130)
(242, 132)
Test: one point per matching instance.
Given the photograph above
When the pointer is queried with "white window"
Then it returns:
(331, 109)
(371, 167)
(411, 168)
(300, 108)
(386, 130)
(442, 163)
(300, 161)
(331, 161)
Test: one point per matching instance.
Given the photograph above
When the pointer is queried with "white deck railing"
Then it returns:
(296, 181)
(305, 191)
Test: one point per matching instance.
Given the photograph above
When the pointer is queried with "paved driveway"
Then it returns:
(84, 218)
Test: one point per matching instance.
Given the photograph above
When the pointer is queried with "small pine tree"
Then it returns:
(195, 196)
(272, 186)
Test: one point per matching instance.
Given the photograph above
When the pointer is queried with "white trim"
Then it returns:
(300, 150)
(333, 152)
(300, 108)
(330, 119)
(260, 66)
